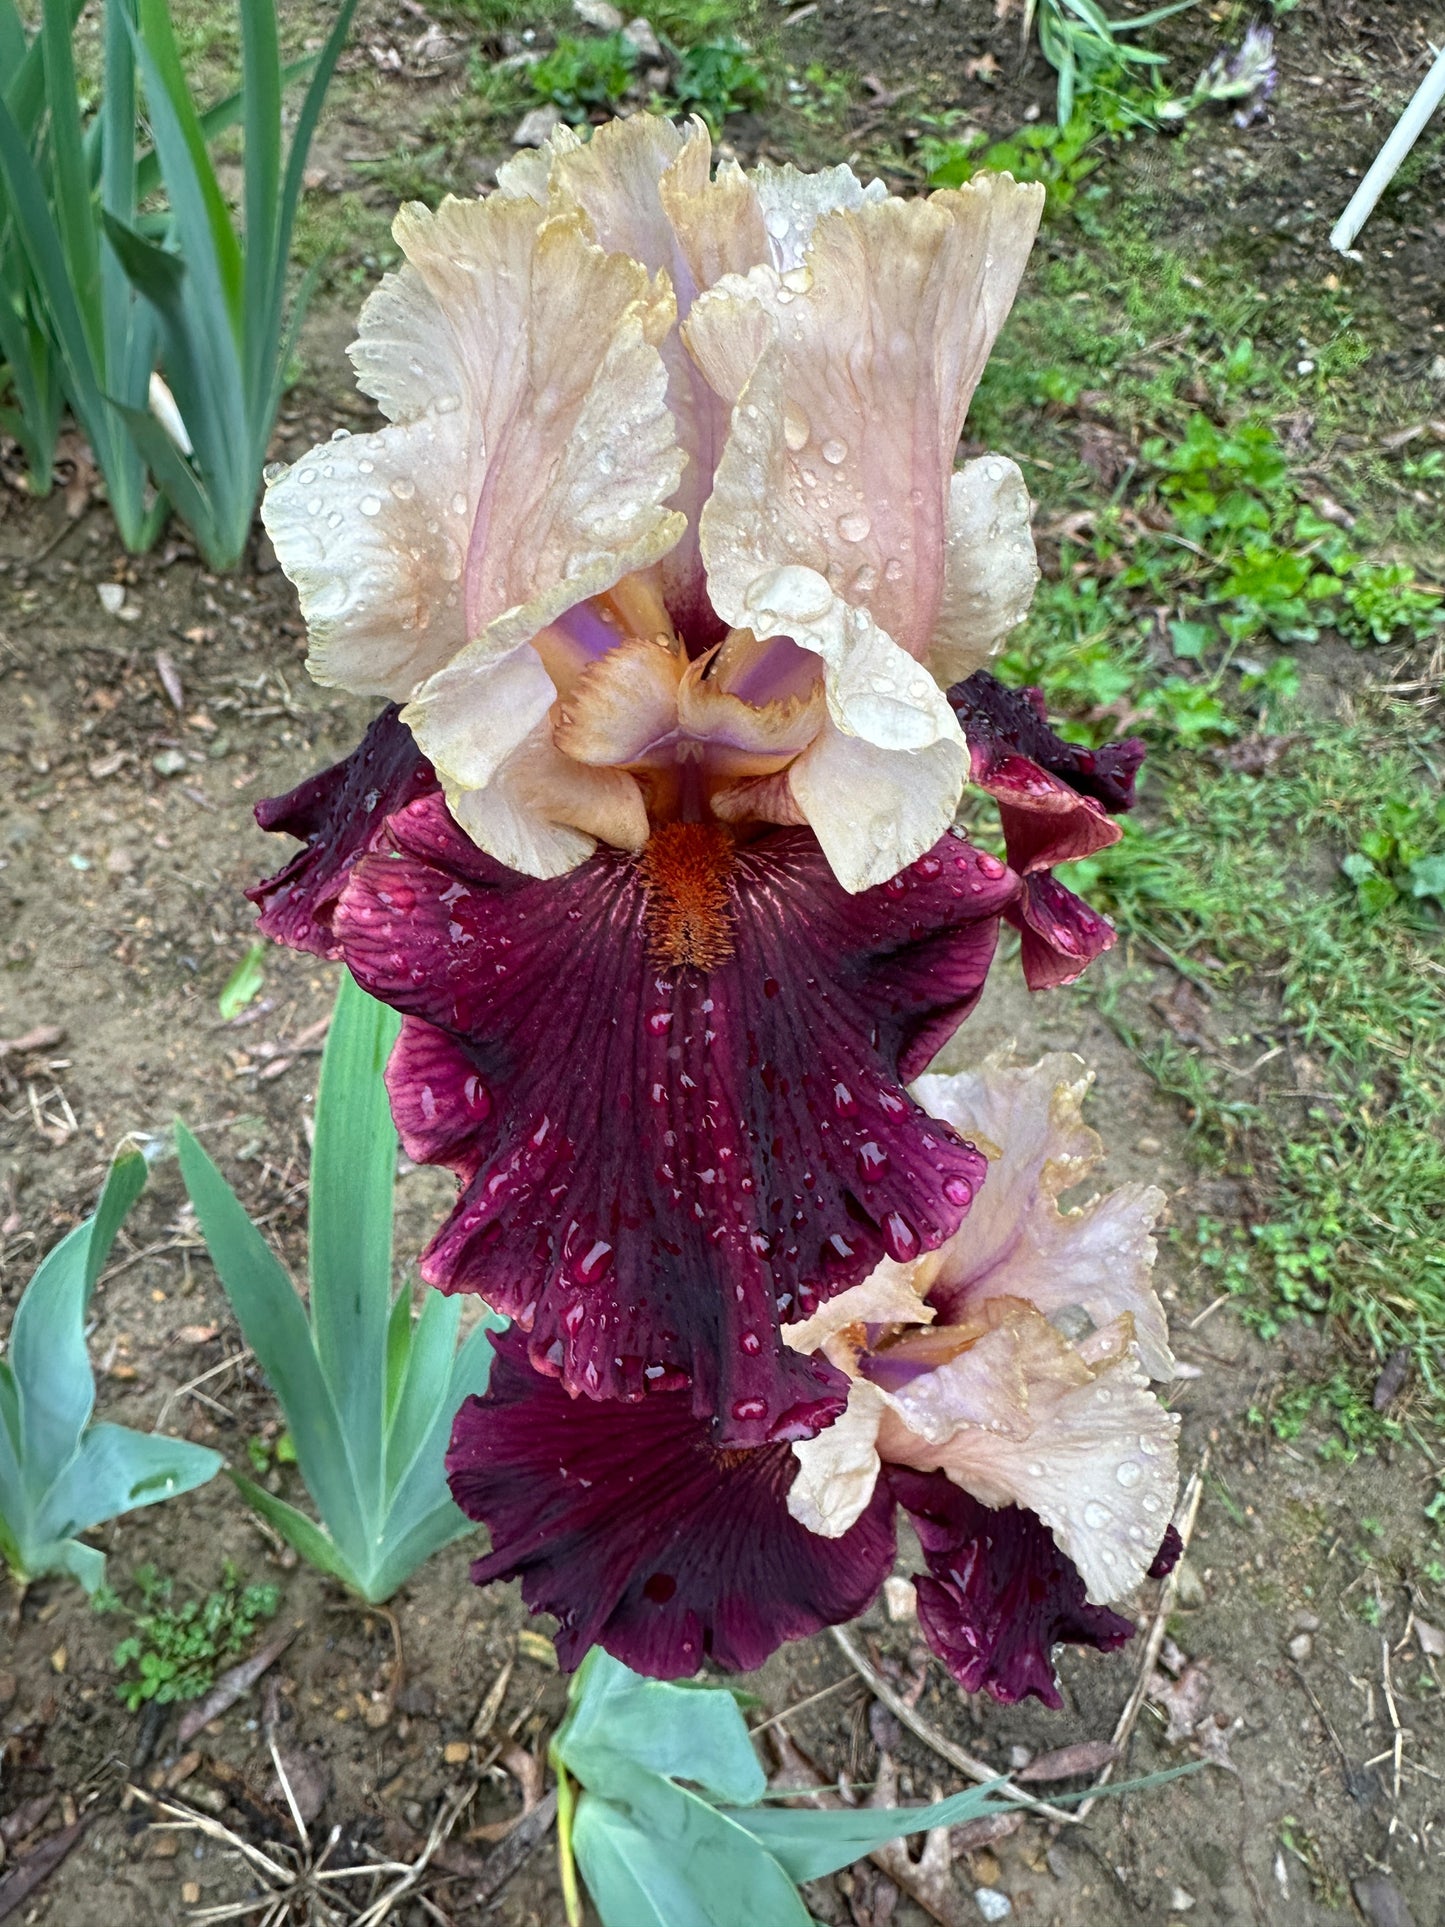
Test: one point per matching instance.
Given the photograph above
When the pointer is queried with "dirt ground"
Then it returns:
(1295, 1664)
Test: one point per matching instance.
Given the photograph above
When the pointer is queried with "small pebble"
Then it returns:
(112, 596)
(1148, 1147)
(900, 1597)
(1301, 1646)
(190, 1892)
(1305, 1623)
(1180, 1901)
(992, 1904)
(456, 1752)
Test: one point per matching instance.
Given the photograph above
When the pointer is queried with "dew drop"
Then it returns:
(659, 1587)
(854, 526)
(796, 427)
(899, 1237)
(958, 1191)
(459, 503)
(833, 451)
(749, 1408)
(750, 1343)
(403, 487)
(1128, 1472)
(1097, 1516)
(844, 1101)
(370, 505)
(872, 1161)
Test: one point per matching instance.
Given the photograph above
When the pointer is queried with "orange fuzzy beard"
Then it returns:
(687, 868)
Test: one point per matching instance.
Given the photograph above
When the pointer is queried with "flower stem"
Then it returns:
(566, 1806)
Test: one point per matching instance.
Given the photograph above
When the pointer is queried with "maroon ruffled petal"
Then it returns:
(1059, 935)
(661, 1161)
(1000, 723)
(999, 1595)
(1054, 802)
(641, 1535)
(339, 815)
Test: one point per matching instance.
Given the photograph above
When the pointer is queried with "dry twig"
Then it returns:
(976, 1770)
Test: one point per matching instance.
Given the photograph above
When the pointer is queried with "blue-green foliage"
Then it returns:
(368, 1391)
(668, 1830)
(97, 295)
(60, 1474)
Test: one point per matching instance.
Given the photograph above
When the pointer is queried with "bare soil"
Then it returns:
(126, 839)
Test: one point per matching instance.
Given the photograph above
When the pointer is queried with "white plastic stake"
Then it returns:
(1407, 130)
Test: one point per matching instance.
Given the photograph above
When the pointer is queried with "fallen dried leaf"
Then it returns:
(170, 680)
(526, 1769)
(42, 1037)
(233, 1685)
(1391, 1381)
(1069, 1762)
(26, 1876)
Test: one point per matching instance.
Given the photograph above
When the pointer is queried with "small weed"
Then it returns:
(716, 78)
(175, 1651)
(582, 76)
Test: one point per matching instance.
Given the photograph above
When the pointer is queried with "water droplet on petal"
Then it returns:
(854, 526)
(1128, 1472)
(370, 505)
(1097, 1516)
(796, 427)
(834, 451)
(872, 1160)
(899, 1237)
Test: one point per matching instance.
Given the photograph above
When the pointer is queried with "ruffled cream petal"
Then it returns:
(990, 569)
(875, 810)
(372, 529)
(529, 465)
(792, 204)
(838, 1469)
(1022, 1418)
(889, 1295)
(643, 186)
(841, 451)
(542, 813)
(1015, 1242)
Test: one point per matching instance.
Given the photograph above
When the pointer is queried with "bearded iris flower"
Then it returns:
(999, 1392)
(678, 609)
(663, 567)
